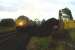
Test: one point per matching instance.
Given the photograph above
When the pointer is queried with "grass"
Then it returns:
(43, 42)
(6, 29)
(72, 33)
(40, 42)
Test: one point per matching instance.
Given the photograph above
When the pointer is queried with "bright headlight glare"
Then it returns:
(21, 24)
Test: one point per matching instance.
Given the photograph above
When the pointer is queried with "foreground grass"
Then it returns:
(72, 33)
(38, 43)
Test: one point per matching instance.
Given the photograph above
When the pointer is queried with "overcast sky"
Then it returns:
(34, 8)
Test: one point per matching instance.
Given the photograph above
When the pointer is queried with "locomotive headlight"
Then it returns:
(21, 23)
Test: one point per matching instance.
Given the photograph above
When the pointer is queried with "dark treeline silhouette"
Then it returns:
(43, 29)
(7, 22)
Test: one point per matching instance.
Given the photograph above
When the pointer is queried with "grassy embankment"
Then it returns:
(43, 42)
(7, 29)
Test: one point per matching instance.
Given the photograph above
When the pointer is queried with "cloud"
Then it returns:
(9, 5)
(36, 8)
(50, 8)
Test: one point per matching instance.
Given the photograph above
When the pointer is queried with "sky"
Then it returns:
(41, 9)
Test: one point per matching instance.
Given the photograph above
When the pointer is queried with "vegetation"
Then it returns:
(7, 25)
